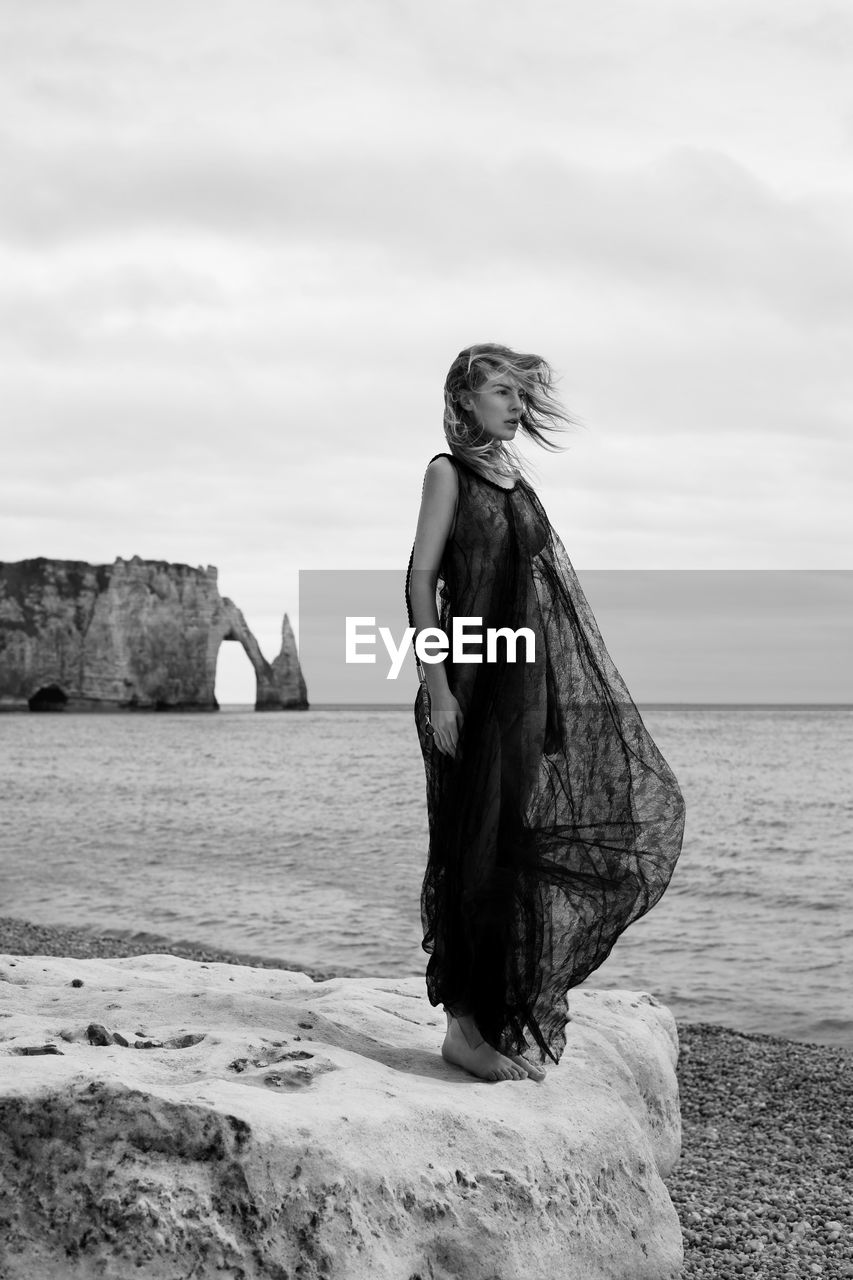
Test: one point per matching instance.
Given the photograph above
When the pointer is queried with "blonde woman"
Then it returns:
(554, 821)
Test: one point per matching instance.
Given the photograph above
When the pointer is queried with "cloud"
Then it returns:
(694, 214)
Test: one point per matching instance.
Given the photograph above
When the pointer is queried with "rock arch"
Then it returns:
(279, 684)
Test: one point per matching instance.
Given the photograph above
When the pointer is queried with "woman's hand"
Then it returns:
(446, 719)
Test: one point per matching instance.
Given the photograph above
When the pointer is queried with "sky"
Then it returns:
(241, 244)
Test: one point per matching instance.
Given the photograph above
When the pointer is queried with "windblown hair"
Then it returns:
(541, 411)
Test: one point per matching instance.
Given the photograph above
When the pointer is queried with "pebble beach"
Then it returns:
(763, 1186)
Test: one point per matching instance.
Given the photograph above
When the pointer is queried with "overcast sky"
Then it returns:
(241, 243)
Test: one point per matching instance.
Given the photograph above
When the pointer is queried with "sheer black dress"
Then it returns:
(558, 822)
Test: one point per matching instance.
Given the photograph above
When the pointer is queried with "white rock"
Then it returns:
(315, 1131)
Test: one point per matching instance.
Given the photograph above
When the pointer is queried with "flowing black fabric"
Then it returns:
(558, 822)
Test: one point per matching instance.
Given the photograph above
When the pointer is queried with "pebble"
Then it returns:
(763, 1185)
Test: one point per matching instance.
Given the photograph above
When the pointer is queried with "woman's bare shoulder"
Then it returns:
(444, 468)
(440, 492)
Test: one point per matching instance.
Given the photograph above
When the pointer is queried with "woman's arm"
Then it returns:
(435, 520)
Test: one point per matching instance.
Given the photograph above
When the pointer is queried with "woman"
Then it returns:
(554, 821)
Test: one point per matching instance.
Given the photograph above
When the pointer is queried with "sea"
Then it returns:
(301, 837)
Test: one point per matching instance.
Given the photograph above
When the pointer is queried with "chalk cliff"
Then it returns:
(164, 1117)
(133, 634)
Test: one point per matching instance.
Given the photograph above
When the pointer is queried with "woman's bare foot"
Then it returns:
(532, 1068)
(474, 1054)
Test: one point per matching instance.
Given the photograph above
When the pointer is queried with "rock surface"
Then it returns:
(247, 1122)
(134, 634)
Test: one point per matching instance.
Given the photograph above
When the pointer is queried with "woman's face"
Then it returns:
(497, 406)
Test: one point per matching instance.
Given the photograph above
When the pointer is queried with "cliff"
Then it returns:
(133, 634)
(164, 1117)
